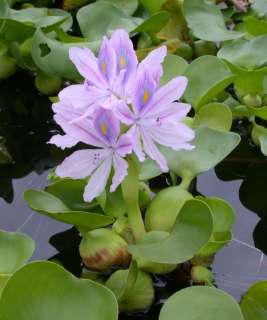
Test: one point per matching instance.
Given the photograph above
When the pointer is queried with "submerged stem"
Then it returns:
(130, 191)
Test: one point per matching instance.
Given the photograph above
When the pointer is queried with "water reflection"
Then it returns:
(25, 122)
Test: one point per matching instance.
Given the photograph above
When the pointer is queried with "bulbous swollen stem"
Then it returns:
(130, 191)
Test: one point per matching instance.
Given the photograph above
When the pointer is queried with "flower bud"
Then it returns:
(252, 100)
(102, 249)
(140, 297)
(47, 84)
(201, 275)
(162, 211)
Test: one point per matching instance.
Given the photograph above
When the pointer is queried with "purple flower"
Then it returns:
(109, 77)
(103, 132)
(155, 117)
(117, 89)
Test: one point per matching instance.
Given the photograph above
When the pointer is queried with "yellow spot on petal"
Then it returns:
(104, 67)
(104, 128)
(122, 62)
(145, 96)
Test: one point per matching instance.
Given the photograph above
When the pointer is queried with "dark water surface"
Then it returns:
(25, 122)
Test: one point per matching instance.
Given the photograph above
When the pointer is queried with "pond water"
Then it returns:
(25, 122)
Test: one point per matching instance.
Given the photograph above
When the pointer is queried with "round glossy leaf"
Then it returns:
(214, 115)
(100, 18)
(211, 147)
(128, 7)
(254, 26)
(52, 56)
(201, 303)
(71, 193)
(207, 77)
(47, 204)
(173, 66)
(191, 231)
(15, 250)
(223, 218)
(44, 290)
(206, 21)
(254, 302)
(152, 6)
(154, 23)
(259, 7)
(248, 54)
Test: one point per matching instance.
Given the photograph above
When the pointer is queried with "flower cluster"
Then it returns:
(117, 90)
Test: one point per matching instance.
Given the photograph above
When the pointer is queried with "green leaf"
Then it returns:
(173, 66)
(52, 56)
(259, 7)
(149, 169)
(128, 7)
(211, 147)
(214, 115)
(223, 219)
(47, 204)
(71, 193)
(101, 18)
(152, 6)
(254, 26)
(259, 137)
(191, 231)
(248, 54)
(15, 250)
(154, 23)
(254, 302)
(44, 290)
(208, 76)
(201, 302)
(201, 15)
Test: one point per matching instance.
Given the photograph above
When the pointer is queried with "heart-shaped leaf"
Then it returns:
(223, 218)
(248, 54)
(207, 77)
(191, 231)
(15, 250)
(128, 7)
(100, 18)
(52, 56)
(44, 290)
(154, 23)
(152, 6)
(71, 193)
(201, 15)
(47, 204)
(211, 147)
(173, 66)
(254, 302)
(201, 302)
(214, 115)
